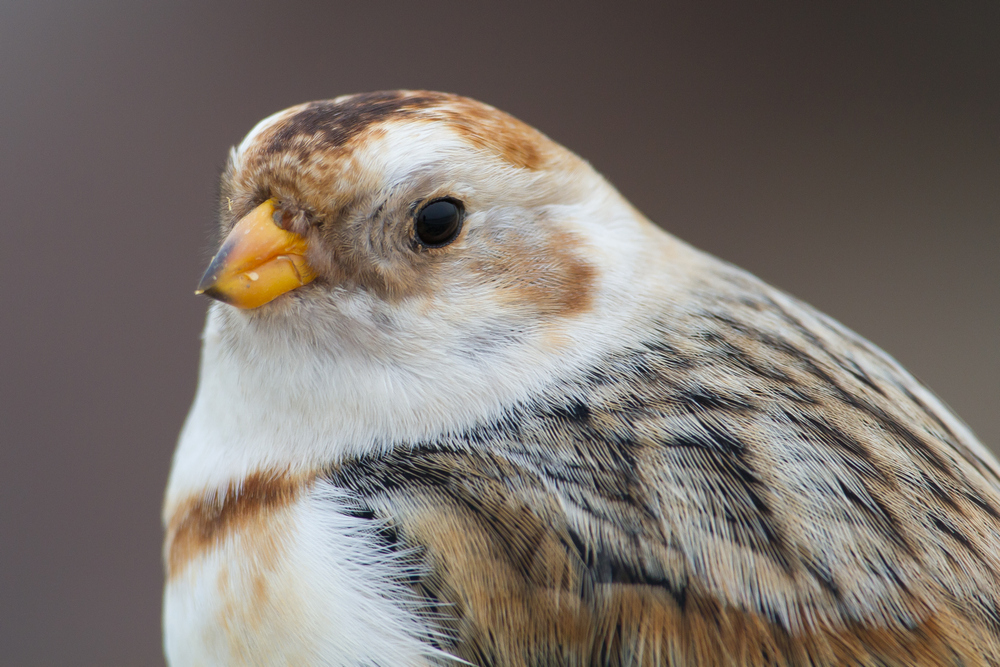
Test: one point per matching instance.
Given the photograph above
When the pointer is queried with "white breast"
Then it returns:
(307, 586)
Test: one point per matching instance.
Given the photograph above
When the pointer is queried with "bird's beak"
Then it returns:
(259, 261)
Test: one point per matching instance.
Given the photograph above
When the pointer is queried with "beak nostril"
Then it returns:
(291, 220)
(283, 218)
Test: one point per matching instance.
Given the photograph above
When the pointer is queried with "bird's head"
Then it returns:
(394, 266)
(403, 196)
(401, 224)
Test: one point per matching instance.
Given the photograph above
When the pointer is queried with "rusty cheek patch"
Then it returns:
(200, 524)
(546, 273)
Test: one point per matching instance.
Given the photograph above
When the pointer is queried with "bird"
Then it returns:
(460, 403)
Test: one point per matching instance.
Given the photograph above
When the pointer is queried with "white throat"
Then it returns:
(351, 385)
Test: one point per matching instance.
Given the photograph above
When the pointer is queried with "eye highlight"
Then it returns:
(438, 222)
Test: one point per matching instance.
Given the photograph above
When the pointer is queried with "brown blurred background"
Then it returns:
(848, 153)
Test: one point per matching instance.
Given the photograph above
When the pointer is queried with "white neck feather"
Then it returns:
(299, 398)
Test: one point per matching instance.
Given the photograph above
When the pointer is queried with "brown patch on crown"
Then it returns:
(490, 129)
(334, 125)
(201, 523)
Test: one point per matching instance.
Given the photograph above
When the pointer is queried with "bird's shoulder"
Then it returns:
(747, 484)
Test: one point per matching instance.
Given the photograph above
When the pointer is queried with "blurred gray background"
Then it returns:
(848, 152)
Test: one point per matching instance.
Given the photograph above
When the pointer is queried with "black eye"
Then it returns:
(439, 222)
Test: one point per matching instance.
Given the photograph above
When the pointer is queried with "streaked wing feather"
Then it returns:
(749, 485)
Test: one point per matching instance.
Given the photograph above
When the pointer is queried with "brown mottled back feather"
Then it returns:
(752, 485)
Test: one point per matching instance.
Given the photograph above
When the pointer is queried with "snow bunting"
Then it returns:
(460, 403)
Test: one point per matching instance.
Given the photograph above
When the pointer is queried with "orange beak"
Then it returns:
(258, 262)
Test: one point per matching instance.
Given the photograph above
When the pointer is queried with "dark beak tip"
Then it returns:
(211, 275)
(213, 293)
(206, 283)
